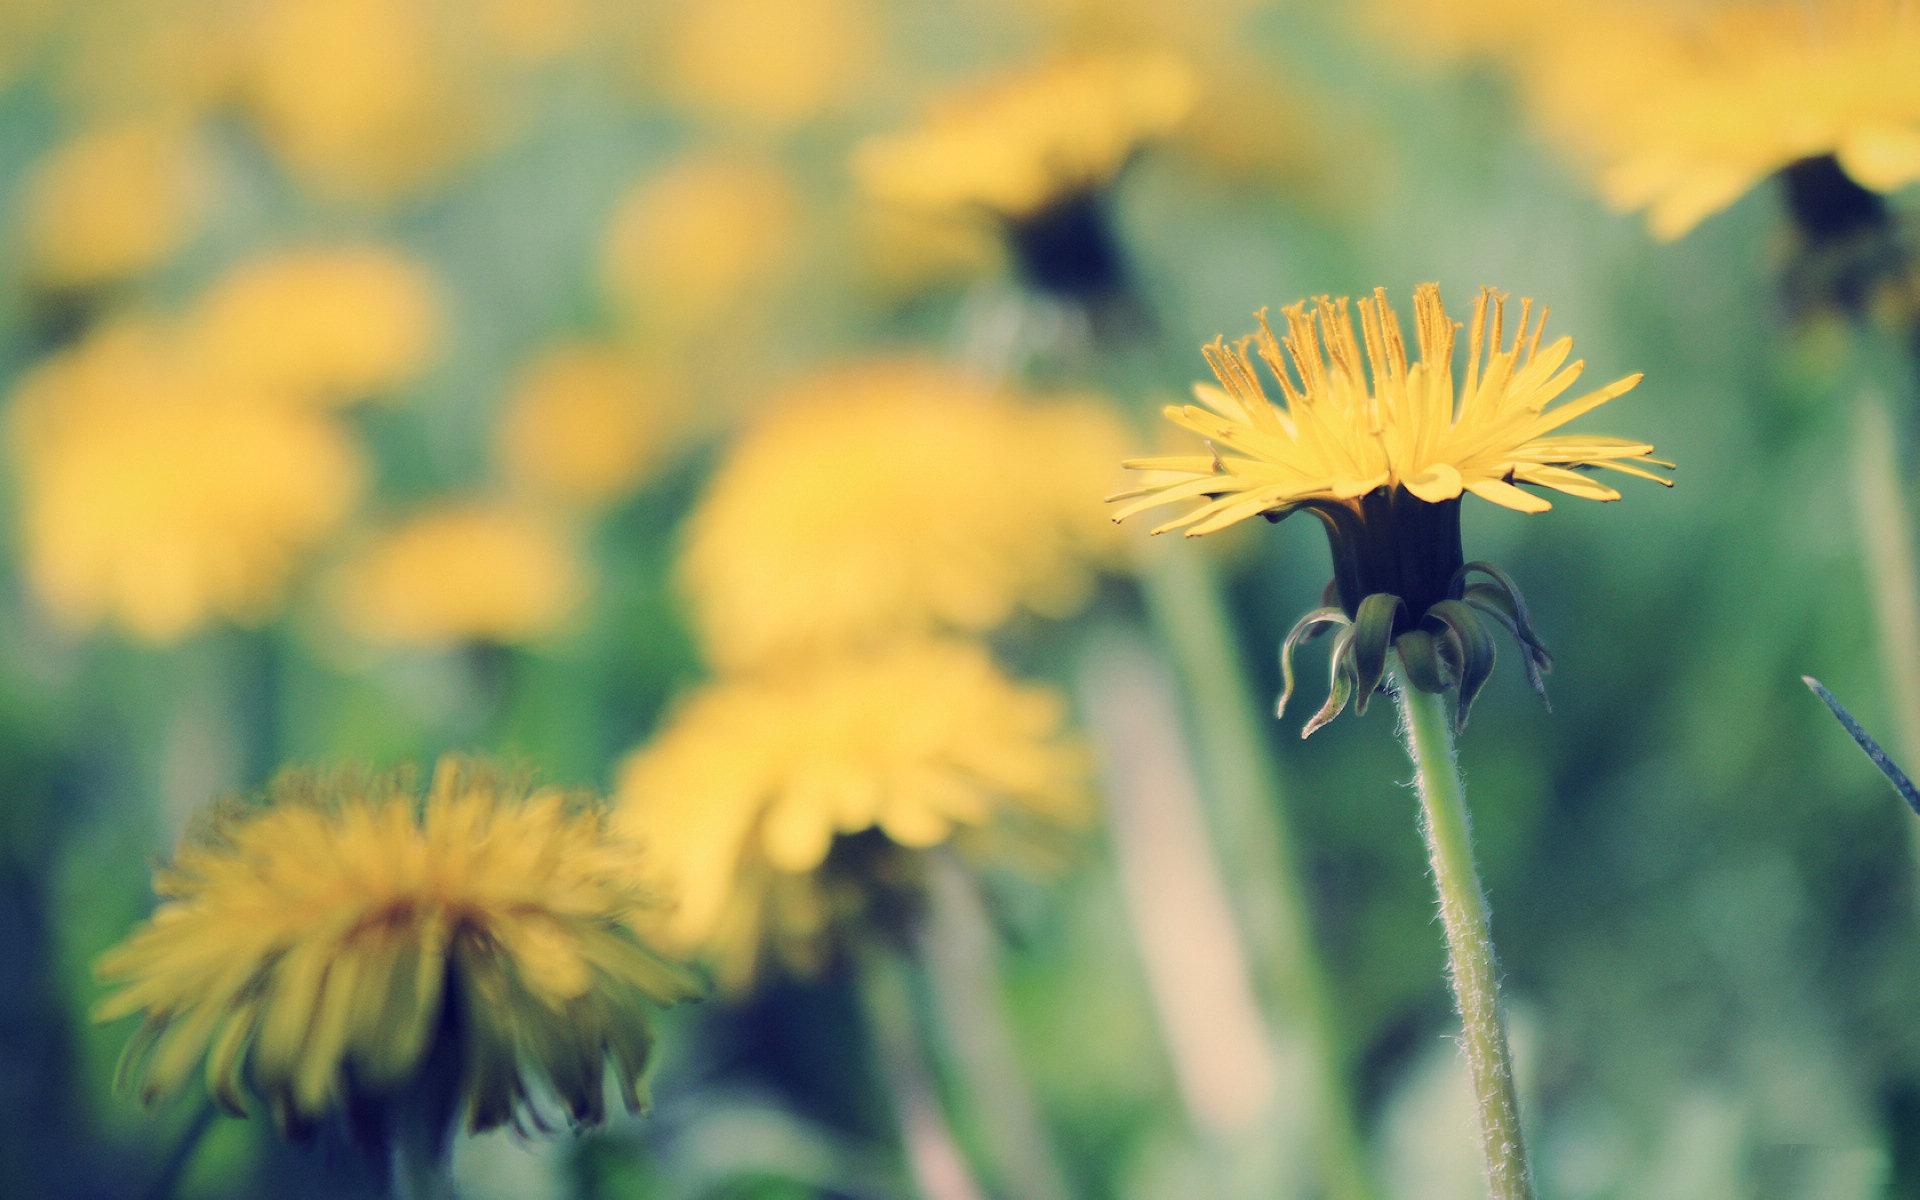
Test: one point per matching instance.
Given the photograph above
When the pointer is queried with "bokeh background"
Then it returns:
(1704, 898)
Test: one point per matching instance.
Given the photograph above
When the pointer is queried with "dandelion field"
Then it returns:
(565, 635)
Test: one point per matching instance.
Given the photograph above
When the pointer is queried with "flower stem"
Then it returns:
(1886, 536)
(934, 1160)
(1470, 963)
(958, 956)
(1253, 836)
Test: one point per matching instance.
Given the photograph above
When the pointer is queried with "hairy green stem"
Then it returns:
(1470, 961)
(1253, 836)
(933, 1156)
(958, 957)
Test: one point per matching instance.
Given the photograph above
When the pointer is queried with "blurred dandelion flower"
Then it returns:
(584, 425)
(352, 944)
(113, 202)
(160, 496)
(897, 496)
(770, 65)
(1036, 151)
(776, 807)
(1384, 464)
(688, 247)
(336, 325)
(474, 571)
(364, 99)
(1683, 112)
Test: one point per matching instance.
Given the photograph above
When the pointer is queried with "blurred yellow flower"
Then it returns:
(1337, 438)
(334, 325)
(462, 572)
(322, 950)
(1020, 143)
(1681, 112)
(770, 65)
(584, 425)
(686, 248)
(891, 496)
(535, 30)
(366, 99)
(775, 807)
(161, 497)
(113, 202)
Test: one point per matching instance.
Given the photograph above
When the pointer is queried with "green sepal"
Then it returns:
(1476, 649)
(1339, 683)
(1372, 639)
(1304, 630)
(1420, 657)
(1534, 658)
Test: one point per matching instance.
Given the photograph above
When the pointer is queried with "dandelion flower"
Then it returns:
(583, 426)
(337, 325)
(896, 496)
(773, 66)
(1019, 144)
(328, 951)
(363, 99)
(776, 806)
(161, 497)
(1382, 451)
(473, 571)
(1682, 113)
(113, 202)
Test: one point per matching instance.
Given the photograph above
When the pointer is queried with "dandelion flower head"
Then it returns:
(462, 571)
(584, 425)
(770, 66)
(1018, 145)
(319, 951)
(161, 496)
(336, 325)
(113, 202)
(758, 790)
(1681, 112)
(893, 496)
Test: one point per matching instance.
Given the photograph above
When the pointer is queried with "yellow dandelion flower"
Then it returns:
(462, 572)
(1684, 111)
(583, 426)
(366, 99)
(891, 496)
(1017, 145)
(335, 325)
(160, 497)
(770, 65)
(688, 247)
(775, 806)
(113, 202)
(320, 952)
(1382, 451)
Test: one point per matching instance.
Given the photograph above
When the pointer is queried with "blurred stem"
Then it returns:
(184, 1149)
(420, 1162)
(963, 973)
(1470, 961)
(1254, 838)
(1886, 537)
(938, 1168)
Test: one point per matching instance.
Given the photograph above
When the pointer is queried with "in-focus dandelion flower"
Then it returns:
(584, 425)
(689, 247)
(1382, 450)
(160, 497)
(352, 945)
(896, 496)
(1036, 151)
(772, 66)
(1681, 112)
(779, 808)
(113, 202)
(462, 572)
(334, 325)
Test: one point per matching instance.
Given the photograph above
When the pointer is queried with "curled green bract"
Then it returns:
(1448, 646)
